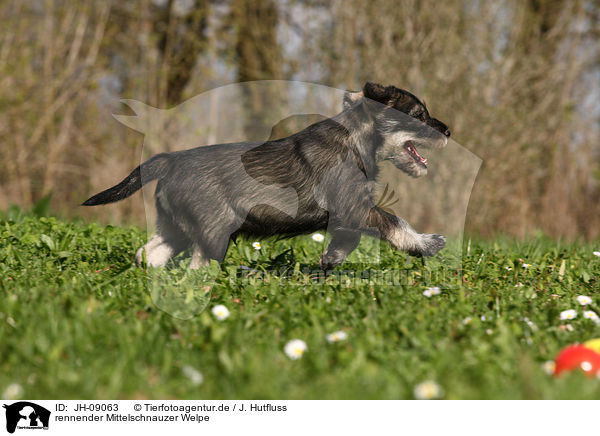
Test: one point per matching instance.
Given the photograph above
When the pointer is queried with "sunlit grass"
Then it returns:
(77, 320)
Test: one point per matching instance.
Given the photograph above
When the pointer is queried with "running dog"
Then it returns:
(320, 178)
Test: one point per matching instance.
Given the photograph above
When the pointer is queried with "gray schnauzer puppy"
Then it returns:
(320, 178)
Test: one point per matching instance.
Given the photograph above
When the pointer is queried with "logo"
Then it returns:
(26, 415)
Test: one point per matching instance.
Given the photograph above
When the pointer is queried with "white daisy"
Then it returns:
(589, 314)
(467, 320)
(256, 245)
(525, 265)
(584, 300)
(508, 268)
(337, 336)
(432, 291)
(428, 390)
(596, 253)
(568, 314)
(12, 392)
(193, 374)
(317, 237)
(295, 348)
(549, 366)
(530, 323)
(220, 312)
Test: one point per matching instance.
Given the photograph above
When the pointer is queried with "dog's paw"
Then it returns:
(329, 260)
(430, 245)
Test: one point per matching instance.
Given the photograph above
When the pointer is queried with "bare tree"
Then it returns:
(515, 80)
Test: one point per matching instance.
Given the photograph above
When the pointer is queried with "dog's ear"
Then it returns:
(376, 92)
(351, 97)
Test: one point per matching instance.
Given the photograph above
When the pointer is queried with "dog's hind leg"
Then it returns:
(342, 244)
(198, 257)
(167, 242)
(156, 251)
(213, 247)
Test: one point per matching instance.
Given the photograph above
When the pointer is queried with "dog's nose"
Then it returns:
(447, 133)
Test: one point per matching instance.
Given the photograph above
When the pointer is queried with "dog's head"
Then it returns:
(405, 125)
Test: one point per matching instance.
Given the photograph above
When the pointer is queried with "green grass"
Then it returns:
(78, 321)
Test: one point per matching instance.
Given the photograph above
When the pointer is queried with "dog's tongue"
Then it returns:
(413, 150)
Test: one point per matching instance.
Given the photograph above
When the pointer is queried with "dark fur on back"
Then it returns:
(319, 178)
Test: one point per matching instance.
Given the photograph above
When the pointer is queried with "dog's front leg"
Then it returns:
(402, 236)
(343, 242)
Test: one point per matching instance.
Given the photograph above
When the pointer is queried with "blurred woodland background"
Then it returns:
(517, 81)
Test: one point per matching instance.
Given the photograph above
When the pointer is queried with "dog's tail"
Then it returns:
(154, 168)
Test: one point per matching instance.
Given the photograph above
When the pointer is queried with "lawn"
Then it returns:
(77, 320)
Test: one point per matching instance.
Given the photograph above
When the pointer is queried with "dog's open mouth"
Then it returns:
(410, 148)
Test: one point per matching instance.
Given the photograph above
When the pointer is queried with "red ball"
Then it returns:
(578, 357)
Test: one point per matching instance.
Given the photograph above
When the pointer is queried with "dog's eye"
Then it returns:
(419, 113)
